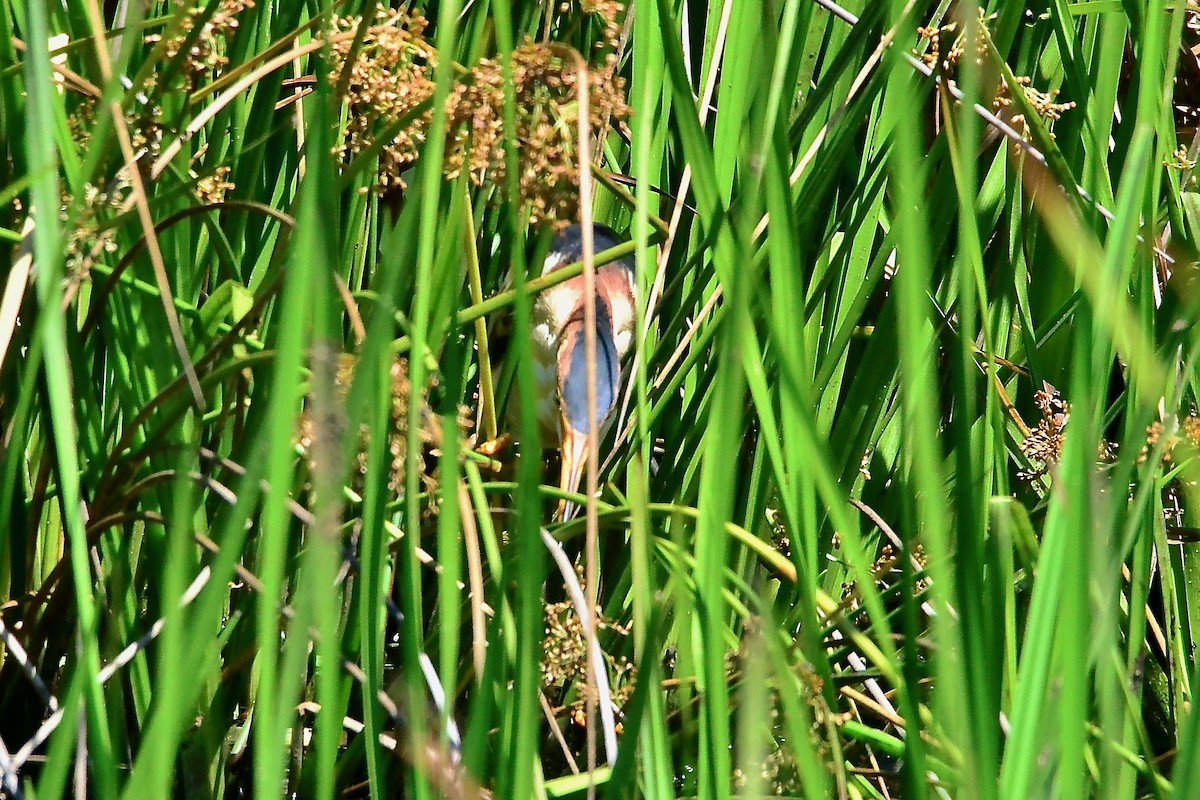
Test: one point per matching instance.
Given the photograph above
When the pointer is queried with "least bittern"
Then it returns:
(560, 347)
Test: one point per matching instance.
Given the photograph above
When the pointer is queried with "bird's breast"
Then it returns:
(548, 320)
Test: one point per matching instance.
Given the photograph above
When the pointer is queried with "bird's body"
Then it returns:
(560, 346)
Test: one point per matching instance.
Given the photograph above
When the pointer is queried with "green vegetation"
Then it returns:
(901, 502)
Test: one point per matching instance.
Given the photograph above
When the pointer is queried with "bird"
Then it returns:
(560, 347)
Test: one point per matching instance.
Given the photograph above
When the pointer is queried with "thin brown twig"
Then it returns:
(592, 550)
(475, 577)
(142, 202)
(71, 78)
(556, 729)
(298, 114)
(229, 95)
(112, 467)
(356, 320)
(863, 700)
(100, 295)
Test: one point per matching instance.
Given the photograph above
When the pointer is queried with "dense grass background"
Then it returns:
(902, 498)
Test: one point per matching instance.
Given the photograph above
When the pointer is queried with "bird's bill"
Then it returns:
(574, 462)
